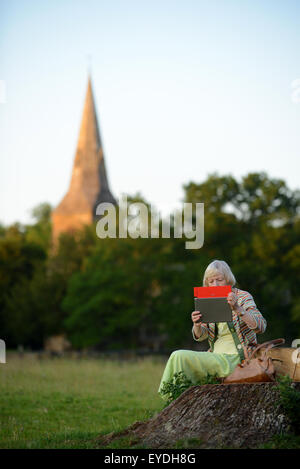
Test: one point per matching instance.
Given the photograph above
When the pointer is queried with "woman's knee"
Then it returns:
(178, 356)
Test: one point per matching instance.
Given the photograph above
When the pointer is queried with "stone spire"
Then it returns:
(89, 183)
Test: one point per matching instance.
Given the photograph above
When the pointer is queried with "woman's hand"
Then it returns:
(196, 318)
(232, 301)
(197, 327)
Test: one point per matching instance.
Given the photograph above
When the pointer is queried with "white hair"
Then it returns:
(219, 267)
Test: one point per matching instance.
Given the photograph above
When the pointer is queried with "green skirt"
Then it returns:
(197, 365)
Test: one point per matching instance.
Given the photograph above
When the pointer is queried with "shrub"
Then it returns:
(290, 401)
(175, 387)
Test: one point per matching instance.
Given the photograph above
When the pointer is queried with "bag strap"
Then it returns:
(237, 342)
(270, 344)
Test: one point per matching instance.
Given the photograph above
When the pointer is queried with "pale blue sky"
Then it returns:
(182, 89)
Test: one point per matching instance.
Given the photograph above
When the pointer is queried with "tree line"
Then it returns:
(114, 294)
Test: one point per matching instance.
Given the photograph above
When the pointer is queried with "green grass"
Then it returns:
(67, 403)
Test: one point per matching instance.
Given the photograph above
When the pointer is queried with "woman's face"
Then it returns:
(216, 280)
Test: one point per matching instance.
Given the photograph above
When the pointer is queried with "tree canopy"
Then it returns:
(138, 293)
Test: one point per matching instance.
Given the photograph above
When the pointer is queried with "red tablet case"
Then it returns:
(212, 302)
(212, 292)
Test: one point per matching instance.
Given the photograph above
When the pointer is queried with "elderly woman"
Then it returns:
(226, 340)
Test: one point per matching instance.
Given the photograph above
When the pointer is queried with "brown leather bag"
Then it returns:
(255, 369)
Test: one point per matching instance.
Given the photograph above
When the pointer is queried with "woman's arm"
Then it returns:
(246, 317)
(199, 330)
(248, 312)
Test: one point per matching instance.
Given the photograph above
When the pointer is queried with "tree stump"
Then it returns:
(218, 415)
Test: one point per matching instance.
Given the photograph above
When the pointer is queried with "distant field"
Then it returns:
(66, 403)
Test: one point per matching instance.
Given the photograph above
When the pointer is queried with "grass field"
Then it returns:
(66, 403)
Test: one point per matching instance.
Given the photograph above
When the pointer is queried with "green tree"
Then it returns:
(127, 293)
(266, 200)
(18, 262)
(107, 302)
(40, 232)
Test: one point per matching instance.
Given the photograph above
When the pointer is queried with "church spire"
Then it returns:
(89, 129)
(89, 183)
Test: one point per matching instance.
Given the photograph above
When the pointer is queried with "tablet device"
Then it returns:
(212, 303)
